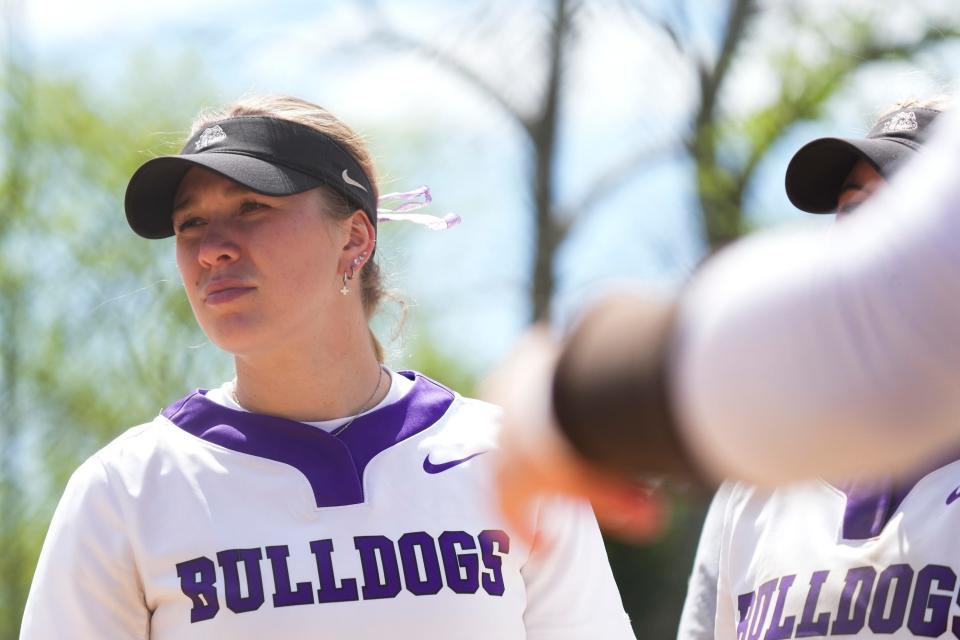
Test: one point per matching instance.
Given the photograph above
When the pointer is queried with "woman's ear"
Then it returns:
(361, 240)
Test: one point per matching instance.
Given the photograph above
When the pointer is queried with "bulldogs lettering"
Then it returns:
(456, 560)
(872, 596)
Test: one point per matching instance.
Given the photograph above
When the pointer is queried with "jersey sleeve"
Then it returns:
(571, 593)
(698, 619)
(86, 586)
(798, 354)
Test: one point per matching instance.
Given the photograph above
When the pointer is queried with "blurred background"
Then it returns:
(587, 145)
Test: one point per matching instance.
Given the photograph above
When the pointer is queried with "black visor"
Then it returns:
(267, 155)
(817, 172)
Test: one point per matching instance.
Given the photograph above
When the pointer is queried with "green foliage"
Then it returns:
(653, 578)
(96, 335)
(424, 356)
(728, 147)
(95, 332)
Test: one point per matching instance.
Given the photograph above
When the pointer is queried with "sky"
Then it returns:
(427, 126)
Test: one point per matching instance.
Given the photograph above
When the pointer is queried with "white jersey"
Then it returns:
(860, 560)
(211, 522)
(698, 618)
(792, 353)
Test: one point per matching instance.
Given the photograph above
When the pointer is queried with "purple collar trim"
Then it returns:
(333, 464)
(871, 504)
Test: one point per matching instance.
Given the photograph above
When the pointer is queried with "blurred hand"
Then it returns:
(536, 462)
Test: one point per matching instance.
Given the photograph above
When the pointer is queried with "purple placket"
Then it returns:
(332, 463)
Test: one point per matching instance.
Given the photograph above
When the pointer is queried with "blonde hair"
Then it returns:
(372, 289)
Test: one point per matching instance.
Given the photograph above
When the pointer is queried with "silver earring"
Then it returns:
(357, 262)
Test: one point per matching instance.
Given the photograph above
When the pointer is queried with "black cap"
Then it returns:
(267, 155)
(818, 170)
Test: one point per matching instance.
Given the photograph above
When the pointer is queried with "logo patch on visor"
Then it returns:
(904, 121)
(210, 136)
(346, 178)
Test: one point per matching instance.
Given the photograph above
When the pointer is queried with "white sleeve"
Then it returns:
(86, 586)
(797, 355)
(699, 614)
(571, 593)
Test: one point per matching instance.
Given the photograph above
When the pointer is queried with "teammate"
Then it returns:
(861, 558)
(319, 494)
(786, 357)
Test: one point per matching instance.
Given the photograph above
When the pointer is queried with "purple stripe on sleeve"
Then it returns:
(332, 463)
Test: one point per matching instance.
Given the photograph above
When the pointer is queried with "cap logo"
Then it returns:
(210, 136)
(346, 178)
(903, 121)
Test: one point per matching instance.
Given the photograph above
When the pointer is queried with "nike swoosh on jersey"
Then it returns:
(429, 467)
(953, 495)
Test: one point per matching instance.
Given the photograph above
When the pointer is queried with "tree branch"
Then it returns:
(820, 84)
(384, 34)
(544, 129)
(660, 22)
(711, 79)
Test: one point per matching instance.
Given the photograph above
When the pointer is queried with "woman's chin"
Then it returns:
(235, 336)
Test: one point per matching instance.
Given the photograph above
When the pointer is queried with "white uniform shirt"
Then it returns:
(699, 613)
(211, 522)
(859, 560)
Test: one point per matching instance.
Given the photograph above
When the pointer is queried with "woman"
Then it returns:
(857, 558)
(319, 494)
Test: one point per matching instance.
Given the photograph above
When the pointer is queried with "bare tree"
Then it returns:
(538, 126)
(721, 182)
(724, 147)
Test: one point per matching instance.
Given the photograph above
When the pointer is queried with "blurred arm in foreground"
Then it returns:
(786, 357)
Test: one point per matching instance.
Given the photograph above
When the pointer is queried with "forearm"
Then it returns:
(799, 354)
(610, 393)
(790, 355)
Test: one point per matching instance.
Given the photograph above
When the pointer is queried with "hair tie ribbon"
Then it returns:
(405, 201)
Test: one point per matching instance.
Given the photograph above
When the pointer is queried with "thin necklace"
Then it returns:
(363, 408)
